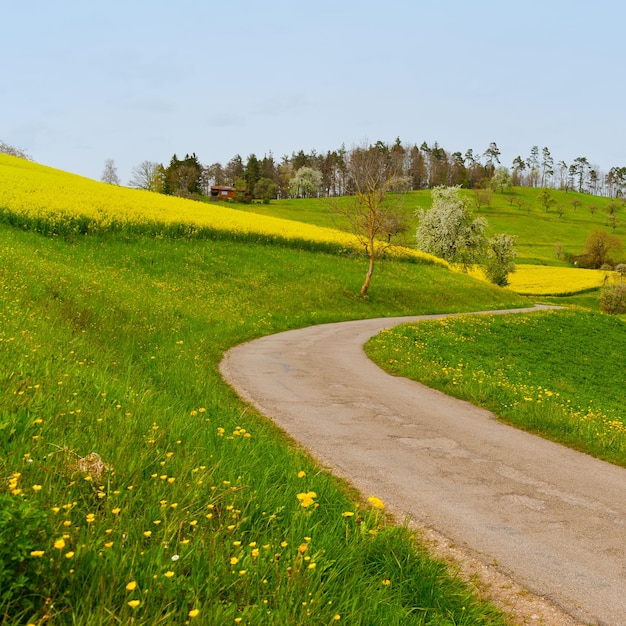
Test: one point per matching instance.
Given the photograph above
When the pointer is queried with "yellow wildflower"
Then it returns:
(377, 503)
(306, 499)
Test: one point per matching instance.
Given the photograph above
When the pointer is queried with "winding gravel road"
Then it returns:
(552, 518)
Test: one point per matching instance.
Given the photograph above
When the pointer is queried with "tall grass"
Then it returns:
(136, 487)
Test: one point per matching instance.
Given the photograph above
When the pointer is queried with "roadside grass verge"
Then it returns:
(556, 373)
(134, 485)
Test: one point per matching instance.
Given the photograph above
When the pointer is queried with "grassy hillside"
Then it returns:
(518, 212)
(137, 487)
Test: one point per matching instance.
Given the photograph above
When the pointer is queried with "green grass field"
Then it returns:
(518, 212)
(136, 485)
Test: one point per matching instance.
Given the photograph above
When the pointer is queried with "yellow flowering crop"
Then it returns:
(61, 201)
(544, 280)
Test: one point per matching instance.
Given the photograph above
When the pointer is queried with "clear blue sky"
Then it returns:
(133, 80)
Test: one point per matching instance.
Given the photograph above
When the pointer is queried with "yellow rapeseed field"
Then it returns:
(42, 194)
(543, 280)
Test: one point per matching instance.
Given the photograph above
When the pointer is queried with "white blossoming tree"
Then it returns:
(450, 231)
(306, 183)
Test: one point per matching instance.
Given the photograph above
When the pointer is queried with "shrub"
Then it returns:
(613, 299)
(499, 262)
(598, 248)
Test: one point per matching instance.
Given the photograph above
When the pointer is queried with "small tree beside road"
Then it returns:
(375, 210)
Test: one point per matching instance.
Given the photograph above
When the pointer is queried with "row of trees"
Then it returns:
(327, 174)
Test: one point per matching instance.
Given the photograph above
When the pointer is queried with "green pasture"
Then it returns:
(137, 488)
(540, 233)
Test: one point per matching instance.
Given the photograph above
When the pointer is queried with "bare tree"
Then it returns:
(375, 210)
(109, 174)
(147, 175)
(5, 148)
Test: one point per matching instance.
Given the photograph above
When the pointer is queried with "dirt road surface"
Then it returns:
(550, 518)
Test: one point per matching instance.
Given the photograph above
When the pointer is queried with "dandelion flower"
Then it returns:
(301, 474)
(377, 503)
(306, 499)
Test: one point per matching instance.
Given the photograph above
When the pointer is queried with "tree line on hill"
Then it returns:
(316, 174)
(313, 174)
